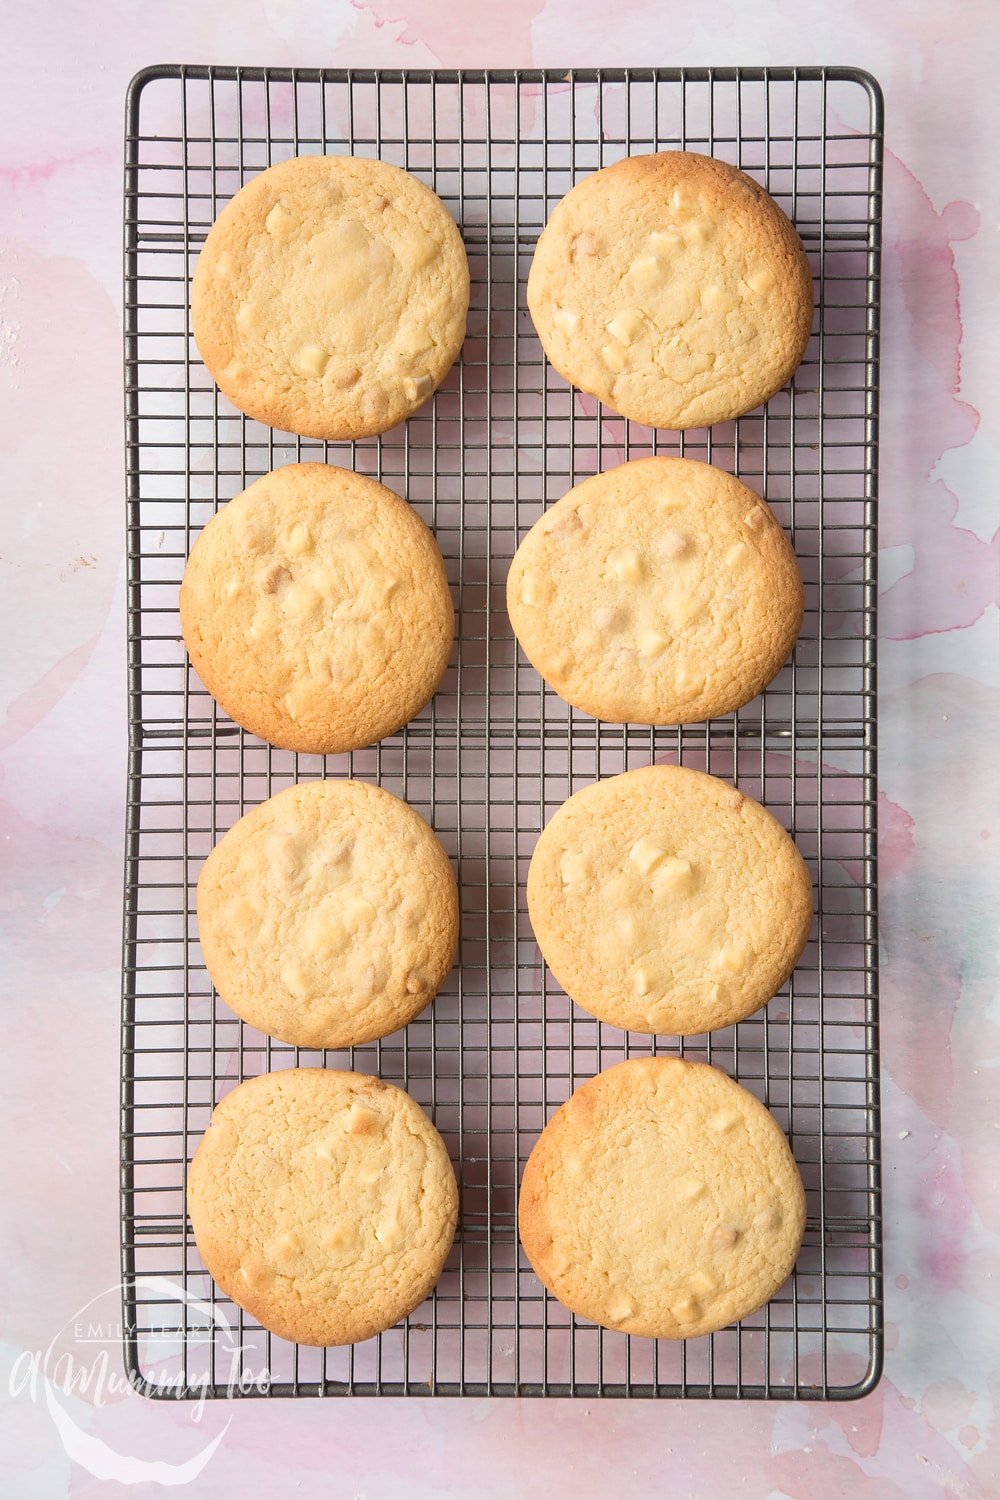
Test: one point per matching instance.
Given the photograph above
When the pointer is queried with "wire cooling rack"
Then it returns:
(496, 753)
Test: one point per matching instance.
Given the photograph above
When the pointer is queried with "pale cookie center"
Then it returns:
(684, 295)
(653, 607)
(325, 597)
(337, 300)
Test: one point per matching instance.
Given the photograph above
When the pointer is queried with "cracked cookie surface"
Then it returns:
(662, 1199)
(322, 1202)
(331, 296)
(315, 609)
(664, 900)
(673, 288)
(328, 915)
(662, 591)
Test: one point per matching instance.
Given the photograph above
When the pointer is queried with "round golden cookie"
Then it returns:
(673, 288)
(324, 1203)
(328, 915)
(662, 1199)
(664, 900)
(315, 609)
(660, 592)
(331, 296)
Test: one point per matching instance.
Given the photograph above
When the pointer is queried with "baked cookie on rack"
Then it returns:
(331, 296)
(673, 288)
(662, 591)
(315, 609)
(664, 900)
(662, 1199)
(328, 915)
(322, 1202)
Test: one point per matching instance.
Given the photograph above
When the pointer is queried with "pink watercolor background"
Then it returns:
(931, 1427)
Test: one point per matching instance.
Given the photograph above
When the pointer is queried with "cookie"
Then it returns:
(316, 611)
(331, 296)
(673, 288)
(664, 900)
(662, 1199)
(324, 1203)
(328, 915)
(660, 592)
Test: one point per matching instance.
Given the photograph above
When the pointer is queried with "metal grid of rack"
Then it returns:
(495, 753)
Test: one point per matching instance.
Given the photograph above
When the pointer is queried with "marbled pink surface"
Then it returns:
(931, 1427)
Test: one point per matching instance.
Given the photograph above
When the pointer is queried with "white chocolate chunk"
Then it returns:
(614, 357)
(626, 325)
(643, 982)
(278, 222)
(421, 247)
(686, 1309)
(725, 1236)
(715, 299)
(688, 681)
(574, 867)
(564, 526)
(737, 555)
(285, 1248)
(652, 642)
(609, 617)
(761, 282)
(755, 519)
(311, 360)
(299, 540)
(272, 578)
(700, 230)
(301, 600)
(730, 958)
(672, 875)
(416, 387)
(682, 204)
(683, 608)
(626, 565)
(725, 1121)
(647, 854)
(689, 1187)
(343, 374)
(358, 913)
(703, 1281)
(390, 1232)
(664, 242)
(627, 927)
(647, 273)
(537, 588)
(361, 1120)
(295, 979)
(673, 544)
(566, 319)
(622, 1306)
